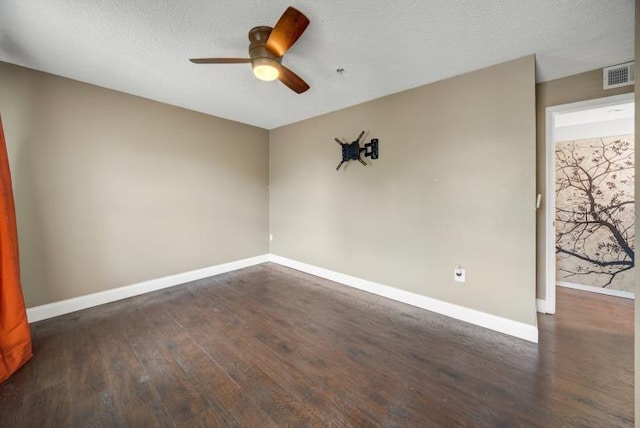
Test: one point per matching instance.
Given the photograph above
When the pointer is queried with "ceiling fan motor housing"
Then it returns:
(258, 37)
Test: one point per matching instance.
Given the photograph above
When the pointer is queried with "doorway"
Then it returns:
(590, 201)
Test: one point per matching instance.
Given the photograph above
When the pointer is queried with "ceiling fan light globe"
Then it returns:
(266, 72)
(265, 69)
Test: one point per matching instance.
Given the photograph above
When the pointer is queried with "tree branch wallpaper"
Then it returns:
(595, 215)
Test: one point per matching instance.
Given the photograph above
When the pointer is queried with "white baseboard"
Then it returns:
(50, 310)
(599, 290)
(503, 325)
(493, 322)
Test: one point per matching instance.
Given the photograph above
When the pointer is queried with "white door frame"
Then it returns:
(550, 197)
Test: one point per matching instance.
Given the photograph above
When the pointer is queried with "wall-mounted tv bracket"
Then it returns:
(352, 151)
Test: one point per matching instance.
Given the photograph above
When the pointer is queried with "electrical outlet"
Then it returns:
(459, 274)
(271, 237)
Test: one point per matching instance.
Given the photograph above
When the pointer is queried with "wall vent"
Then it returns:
(618, 75)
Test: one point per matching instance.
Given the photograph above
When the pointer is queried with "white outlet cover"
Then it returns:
(459, 274)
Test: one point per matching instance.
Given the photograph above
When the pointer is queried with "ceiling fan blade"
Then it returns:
(288, 29)
(219, 60)
(292, 80)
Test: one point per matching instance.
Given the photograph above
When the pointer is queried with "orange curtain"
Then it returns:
(15, 337)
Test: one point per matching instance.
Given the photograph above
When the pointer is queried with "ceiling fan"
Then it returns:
(267, 47)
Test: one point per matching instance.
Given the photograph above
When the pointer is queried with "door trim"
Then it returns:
(550, 196)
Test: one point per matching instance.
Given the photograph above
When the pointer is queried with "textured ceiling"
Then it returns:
(623, 110)
(141, 46)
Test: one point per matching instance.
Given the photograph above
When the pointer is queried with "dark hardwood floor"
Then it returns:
(270, 346)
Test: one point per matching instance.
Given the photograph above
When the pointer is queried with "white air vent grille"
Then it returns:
(618, 75)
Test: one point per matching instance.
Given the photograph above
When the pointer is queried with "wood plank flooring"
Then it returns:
(270, 347)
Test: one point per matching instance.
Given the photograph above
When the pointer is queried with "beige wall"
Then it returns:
(455, 184)
(112, 189)
(579, 87)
